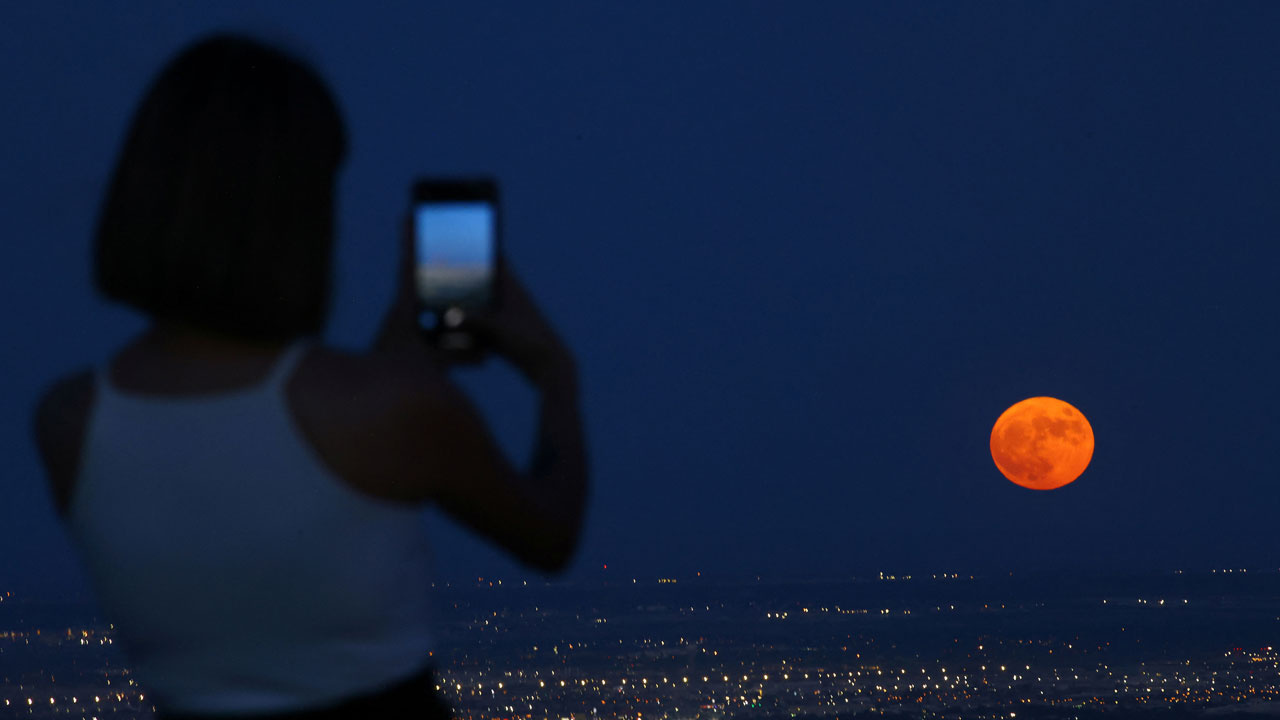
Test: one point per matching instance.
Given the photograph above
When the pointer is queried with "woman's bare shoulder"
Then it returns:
(59, 424)
(362, 382)
(351, 406)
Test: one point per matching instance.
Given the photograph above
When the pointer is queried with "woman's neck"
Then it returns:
(178, 359)
(178, 338)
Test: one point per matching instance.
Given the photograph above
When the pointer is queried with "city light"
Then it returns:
(761, 654)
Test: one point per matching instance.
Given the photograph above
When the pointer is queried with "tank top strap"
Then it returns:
(285, 364)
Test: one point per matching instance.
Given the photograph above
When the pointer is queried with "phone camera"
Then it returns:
(454, 316)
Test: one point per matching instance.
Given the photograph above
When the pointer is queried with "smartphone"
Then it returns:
(456, 250)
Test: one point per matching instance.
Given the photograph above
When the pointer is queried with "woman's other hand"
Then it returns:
(517, 330)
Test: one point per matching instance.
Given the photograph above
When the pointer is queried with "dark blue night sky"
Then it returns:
(806, 254)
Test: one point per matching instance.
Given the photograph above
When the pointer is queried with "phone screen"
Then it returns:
(456, 249)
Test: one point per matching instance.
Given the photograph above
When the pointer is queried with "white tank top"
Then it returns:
(240, 573)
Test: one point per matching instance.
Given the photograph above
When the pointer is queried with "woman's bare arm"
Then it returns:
(446, 446)
(535, 513)
(58, 425)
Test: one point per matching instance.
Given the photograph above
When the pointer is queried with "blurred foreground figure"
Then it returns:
(248, 503)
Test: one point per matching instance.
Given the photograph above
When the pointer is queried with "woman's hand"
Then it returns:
(517, 331)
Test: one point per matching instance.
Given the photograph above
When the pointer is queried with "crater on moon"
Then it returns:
(1042, 443)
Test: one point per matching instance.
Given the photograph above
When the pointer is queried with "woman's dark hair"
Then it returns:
(220, 212)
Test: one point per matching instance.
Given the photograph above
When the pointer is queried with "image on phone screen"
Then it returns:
(455, 253)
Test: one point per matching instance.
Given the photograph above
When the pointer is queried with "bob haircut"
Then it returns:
(220, 211)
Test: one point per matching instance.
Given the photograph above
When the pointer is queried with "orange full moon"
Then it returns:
(1042, 443)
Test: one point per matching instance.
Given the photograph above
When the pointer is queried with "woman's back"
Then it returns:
(243, 572)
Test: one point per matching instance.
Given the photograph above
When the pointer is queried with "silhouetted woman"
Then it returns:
(248, 503)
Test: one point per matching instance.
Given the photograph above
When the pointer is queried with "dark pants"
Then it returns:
(412, 699)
